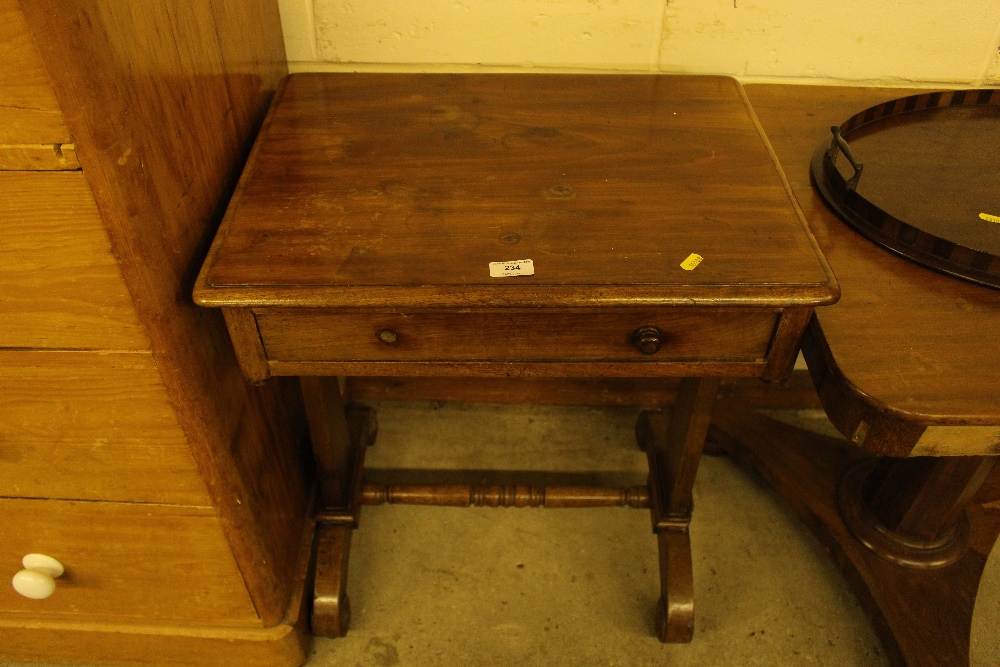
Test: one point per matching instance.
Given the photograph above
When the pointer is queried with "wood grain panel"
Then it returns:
(647, 393)
(242, 327)
(129, 645)
(126, 561)
(161, 151)
(254, 60)
(38, 157)
(81, 425)
(507, 369)
(29, 111)
(30, 126)
(787, 340)
(61, 284)
(514, 335)
(394, 190)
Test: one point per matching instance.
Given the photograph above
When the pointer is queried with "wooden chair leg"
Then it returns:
(673, 448)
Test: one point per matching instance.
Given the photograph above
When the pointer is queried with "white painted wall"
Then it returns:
(873, 41)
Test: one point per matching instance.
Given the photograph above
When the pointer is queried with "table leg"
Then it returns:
(673, 448)
(331, 609)
(339, 438)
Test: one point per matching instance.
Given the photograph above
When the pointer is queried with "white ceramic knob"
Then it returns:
(37, 579)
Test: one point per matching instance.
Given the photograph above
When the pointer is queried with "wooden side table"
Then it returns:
(906, 367)
(643, 222)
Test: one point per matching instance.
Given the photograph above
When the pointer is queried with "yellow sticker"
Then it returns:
(691, 262)
(989, 218)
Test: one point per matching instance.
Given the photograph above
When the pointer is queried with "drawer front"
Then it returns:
(29, 111)
(82, 425)
(60, 285)
(124, 561)
(685, 334)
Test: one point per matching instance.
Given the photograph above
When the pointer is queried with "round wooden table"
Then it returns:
(906, 367)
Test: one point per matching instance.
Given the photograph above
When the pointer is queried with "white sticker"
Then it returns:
(516, 267)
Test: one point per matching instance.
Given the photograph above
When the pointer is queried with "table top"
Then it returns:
(400, 190)
(921, 345)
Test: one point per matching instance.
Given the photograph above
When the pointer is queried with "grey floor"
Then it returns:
(533, 587)
(433, 586)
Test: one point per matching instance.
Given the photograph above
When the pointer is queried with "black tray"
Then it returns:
(922, 179)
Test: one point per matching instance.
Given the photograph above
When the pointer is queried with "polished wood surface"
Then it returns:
(331, 612)
(932, 164)
(784, 350)
(126, 561)
(340, 436)
(331, 441)
(29, 639)
(647, 393)
(117, 388)
(402, 189)
(252, 50)
(360, 234)
(249, 349)
(515, 334)
(61, 284)
(904, 366)
(162, 101)
(913, 511)
(673, 447)
(495, 495)
(520, 369)
(155, 645)
(936, 169)
(84, 426)
(933, 362)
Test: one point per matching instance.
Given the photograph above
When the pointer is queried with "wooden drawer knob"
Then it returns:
(647, 340)
(38, 578)
(388, 336)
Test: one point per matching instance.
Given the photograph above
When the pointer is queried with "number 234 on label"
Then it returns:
(517, 267)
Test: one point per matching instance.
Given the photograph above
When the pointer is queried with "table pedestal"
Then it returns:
(921, 606)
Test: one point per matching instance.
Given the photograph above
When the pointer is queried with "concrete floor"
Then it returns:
(432, 586)
(548, 588)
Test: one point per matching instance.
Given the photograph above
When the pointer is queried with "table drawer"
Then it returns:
(131, 561)
(685, 334)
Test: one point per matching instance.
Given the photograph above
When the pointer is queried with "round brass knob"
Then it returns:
(647, 340)
(387, 336)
